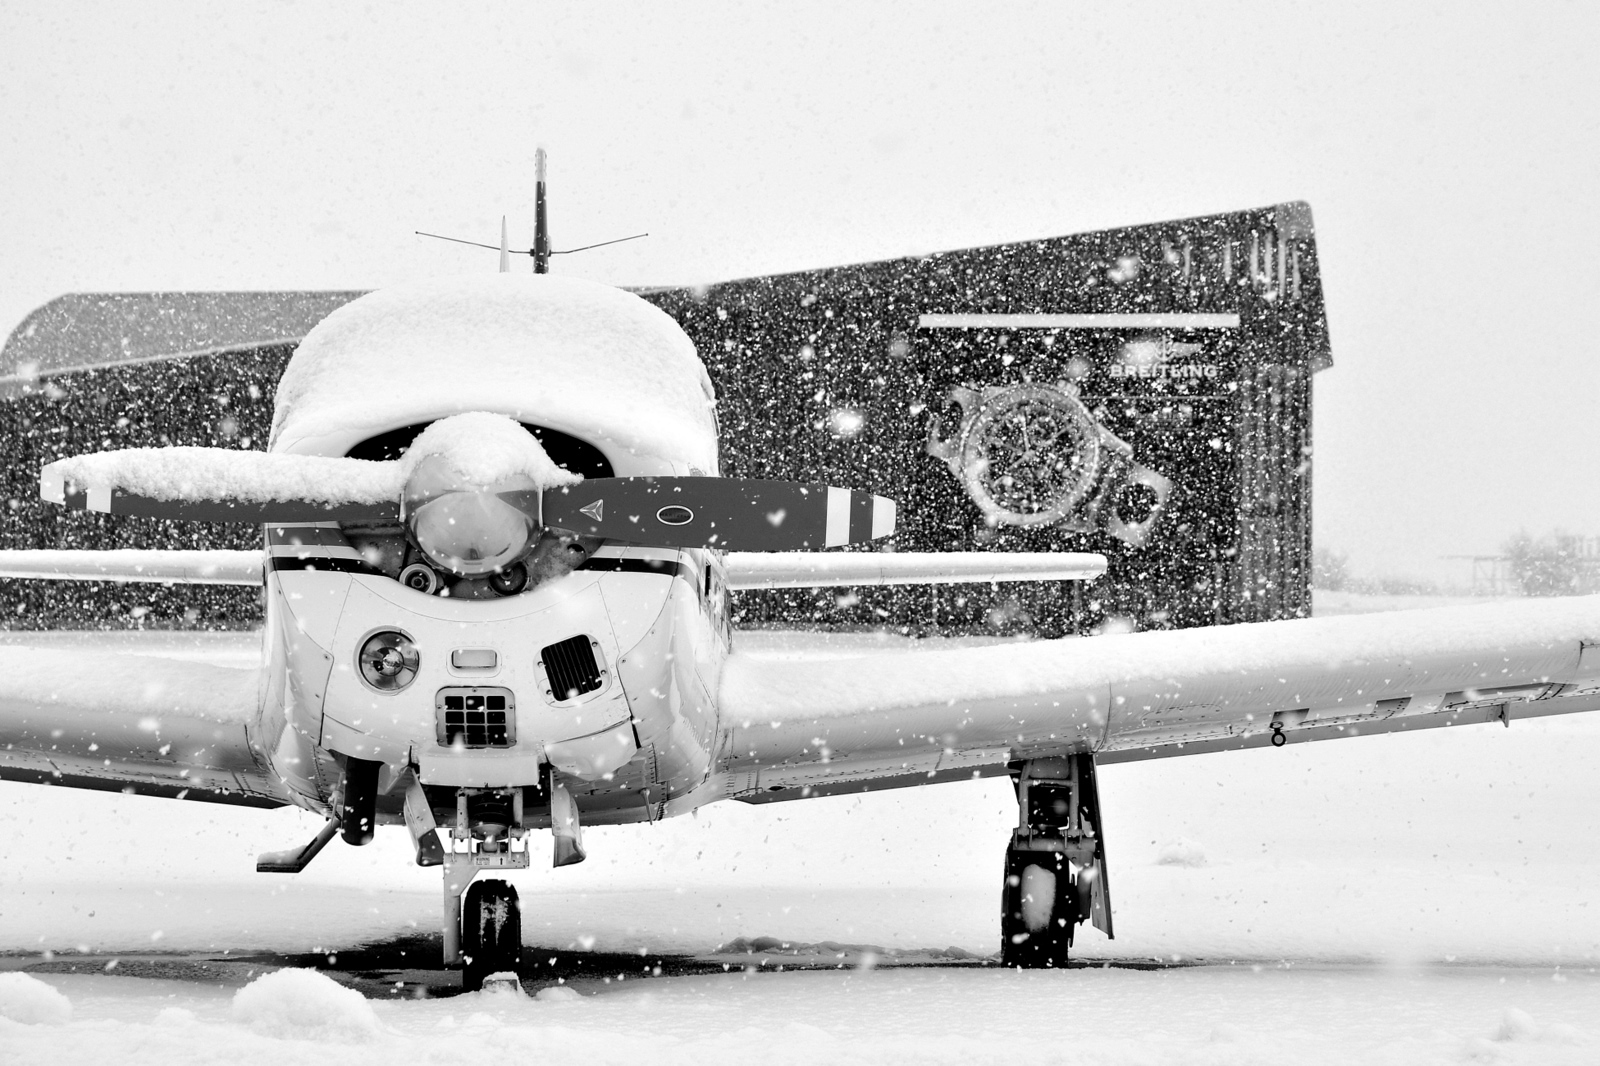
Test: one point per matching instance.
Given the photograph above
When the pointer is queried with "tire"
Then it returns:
(1040, 910)
(491, 932)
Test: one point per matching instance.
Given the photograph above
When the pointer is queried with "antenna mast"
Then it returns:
(540, 251)
(541, 226)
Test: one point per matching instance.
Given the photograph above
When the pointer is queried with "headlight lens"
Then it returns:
(388, 661)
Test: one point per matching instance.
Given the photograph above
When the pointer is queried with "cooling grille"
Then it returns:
(476, 717)
(570, 667)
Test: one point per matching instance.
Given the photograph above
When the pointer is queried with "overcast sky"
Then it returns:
(1448, 154)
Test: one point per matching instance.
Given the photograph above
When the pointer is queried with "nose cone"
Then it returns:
(466, 527)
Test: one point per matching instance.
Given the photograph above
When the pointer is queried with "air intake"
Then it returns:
(570, 668)
(476, 717)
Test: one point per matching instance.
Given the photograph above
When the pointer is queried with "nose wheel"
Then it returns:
(491, 932)
(483, 919)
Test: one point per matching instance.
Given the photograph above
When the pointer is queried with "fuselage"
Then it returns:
(604, 668)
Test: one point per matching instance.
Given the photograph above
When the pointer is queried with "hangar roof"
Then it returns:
(81, 331)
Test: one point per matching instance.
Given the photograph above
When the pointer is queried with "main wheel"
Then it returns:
(491, 932)
(1039, 910)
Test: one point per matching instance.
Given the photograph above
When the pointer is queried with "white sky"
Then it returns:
(1448, 154)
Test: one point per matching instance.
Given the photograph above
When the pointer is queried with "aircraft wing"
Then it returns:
(86, 717)
(808, 724)
(771, 570)
(196, 566)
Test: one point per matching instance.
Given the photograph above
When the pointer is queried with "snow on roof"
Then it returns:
(83, 330)
(562, 352)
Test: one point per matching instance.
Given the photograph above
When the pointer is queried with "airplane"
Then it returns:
(497, 562)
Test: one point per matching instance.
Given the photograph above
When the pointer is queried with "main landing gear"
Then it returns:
(1055, 865)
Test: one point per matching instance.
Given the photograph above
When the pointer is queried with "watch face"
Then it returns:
(1030, 456)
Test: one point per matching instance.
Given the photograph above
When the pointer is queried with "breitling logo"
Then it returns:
(1165, 371)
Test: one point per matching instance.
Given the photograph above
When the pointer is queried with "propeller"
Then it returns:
(736, 514)
(223, 485)
(187, 484)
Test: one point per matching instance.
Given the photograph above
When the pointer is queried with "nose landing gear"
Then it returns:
(483, 919)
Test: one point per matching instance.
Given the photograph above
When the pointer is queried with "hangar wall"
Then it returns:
(1144, 392)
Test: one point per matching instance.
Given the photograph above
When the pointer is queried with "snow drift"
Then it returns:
(32, 1002)
(304, 1004)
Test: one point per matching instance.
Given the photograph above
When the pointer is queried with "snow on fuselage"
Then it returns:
(584, 362)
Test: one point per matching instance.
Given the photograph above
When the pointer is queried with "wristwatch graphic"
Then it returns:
(1034, 455)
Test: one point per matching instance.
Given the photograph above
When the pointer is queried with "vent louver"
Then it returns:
(570, 668)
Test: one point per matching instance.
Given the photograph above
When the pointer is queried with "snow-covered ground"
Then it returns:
(1326, 602)
(1409, 898)
(1303, 1015)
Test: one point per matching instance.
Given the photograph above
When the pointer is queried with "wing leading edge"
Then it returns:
(199, 566)
(746, 570)
(820, 725)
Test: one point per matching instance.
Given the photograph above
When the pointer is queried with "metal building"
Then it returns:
(1144, 392)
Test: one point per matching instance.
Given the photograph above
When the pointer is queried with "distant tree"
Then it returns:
(1330, 570)
(1547, 566)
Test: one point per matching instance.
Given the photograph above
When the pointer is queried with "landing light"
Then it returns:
(388, 661)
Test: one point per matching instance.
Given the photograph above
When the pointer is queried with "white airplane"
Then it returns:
(497, 562)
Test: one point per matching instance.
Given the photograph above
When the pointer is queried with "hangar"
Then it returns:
(1144, 392)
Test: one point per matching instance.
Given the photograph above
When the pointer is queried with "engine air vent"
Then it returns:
(570, 668)
(476, 717)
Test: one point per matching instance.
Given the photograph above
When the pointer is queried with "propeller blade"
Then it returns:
(224, 485)
(734, 514)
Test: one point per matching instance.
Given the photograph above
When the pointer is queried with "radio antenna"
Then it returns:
(541, 224)
(541, 250)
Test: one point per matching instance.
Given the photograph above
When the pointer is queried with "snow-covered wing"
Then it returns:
(176, 566)
(771, 570)
(85, 718)
(808, 726)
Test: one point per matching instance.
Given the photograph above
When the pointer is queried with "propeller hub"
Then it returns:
(471, 530)
(471, 493)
